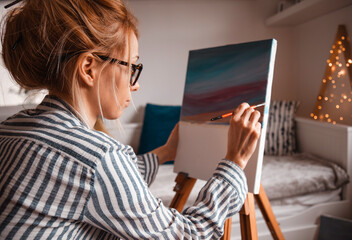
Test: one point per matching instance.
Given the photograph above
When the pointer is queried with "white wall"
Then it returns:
(313, 41)
(170, 28)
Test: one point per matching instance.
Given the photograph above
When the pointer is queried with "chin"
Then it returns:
(113, 115)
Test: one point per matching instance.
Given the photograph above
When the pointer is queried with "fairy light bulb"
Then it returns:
(341, 73)
(339, 97)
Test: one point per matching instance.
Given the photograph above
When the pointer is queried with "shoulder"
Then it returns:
(62, 131)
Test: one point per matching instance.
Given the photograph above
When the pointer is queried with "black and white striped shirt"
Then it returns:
(61, 180)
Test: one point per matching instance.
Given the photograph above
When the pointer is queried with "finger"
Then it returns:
(246, 115)
(255, 116)
(253, 138)
(238, 112)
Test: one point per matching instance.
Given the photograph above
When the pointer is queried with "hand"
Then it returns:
(243, 134)
(167, 152)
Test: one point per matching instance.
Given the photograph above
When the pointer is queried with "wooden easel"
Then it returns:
(184, 186)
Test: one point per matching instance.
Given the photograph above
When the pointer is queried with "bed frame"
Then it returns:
(330, 142)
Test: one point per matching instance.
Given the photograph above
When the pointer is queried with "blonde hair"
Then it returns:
(42, 40)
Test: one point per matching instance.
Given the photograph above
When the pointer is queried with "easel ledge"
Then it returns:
(184, 186)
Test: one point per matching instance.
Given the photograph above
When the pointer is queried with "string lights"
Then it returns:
(334, 102)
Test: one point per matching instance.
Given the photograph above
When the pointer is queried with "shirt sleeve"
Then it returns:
(121, 203)
(148, 166)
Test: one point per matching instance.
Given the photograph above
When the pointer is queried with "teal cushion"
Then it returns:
(159, 120)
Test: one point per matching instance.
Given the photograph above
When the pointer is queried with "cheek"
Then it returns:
(114, 92)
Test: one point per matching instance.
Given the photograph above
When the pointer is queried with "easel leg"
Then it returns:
(268, 214)
(227, 229)
(183, 188)
(247, 219)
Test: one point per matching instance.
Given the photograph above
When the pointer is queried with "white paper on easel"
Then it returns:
(218, 80)
(202, 150)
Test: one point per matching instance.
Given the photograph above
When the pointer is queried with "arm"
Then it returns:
(167, 152)
(120, 203)
(148, 164)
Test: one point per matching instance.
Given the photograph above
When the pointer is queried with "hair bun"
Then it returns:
(38, 37)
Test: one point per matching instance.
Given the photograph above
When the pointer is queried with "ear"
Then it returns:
(87, 69)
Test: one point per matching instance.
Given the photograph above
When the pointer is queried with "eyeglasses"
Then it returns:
(135, 69)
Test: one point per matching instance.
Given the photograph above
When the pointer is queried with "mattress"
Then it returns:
(302, 180)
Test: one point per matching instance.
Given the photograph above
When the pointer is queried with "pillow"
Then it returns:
(281, 129)
(159, 120)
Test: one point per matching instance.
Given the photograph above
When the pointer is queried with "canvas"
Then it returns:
(218, 80)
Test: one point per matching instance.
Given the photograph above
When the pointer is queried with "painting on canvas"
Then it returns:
(218, 80)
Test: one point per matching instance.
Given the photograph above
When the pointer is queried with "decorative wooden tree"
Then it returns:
(334, 103)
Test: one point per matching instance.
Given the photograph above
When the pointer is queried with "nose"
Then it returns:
(135, 87)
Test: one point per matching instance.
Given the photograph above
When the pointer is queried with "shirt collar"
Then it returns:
(53, 103)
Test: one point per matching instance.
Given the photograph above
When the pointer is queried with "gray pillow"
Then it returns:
(281, 129)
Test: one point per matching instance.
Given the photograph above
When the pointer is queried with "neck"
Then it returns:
(82, 107)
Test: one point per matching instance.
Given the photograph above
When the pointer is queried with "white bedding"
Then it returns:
(300, 174)
(164, 183)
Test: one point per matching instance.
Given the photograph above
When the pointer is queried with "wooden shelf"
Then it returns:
(305, 11)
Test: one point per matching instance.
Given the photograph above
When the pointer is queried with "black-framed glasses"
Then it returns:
(135, 69)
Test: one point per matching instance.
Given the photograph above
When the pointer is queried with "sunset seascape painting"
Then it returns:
(219, 79)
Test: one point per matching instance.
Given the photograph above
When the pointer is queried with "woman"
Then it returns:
(59, 178)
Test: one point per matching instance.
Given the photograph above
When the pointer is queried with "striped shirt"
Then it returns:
(61, 180)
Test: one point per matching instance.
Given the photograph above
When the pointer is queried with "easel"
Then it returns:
(183, 188)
